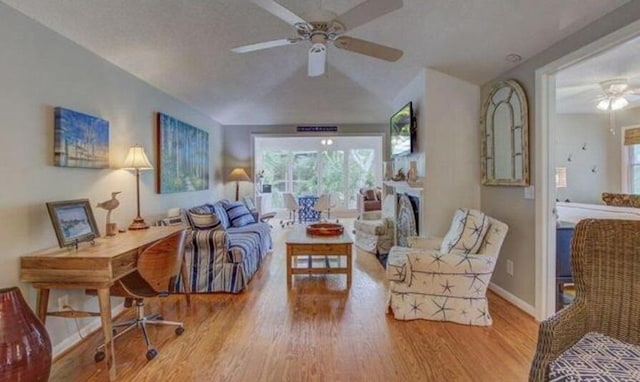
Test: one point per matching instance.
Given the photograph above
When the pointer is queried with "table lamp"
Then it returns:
(137, 160)
(238, 174)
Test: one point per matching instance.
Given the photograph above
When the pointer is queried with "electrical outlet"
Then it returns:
(510, 268)
(63, 302)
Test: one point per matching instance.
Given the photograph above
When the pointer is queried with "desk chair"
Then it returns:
(156, 267)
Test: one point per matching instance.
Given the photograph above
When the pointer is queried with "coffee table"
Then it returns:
(320, 254)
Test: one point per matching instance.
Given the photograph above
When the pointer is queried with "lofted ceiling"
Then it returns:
(578, 87)
(183, 48)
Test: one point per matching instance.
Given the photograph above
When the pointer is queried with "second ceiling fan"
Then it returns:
(324, 26)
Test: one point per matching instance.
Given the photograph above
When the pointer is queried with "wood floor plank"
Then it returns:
(317, 331)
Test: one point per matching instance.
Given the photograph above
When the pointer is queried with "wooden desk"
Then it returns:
(90, 267)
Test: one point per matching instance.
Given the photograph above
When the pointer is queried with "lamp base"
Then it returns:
(138, 223)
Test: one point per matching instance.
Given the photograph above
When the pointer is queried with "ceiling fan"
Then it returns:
(324, 26)
(616, 94)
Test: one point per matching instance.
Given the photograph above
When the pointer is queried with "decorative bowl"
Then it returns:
(325, 229)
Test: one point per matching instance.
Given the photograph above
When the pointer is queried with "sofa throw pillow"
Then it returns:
(239, 215)
(221, 212)
(466, 233)
(209, 221)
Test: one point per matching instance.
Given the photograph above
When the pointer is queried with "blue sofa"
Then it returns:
(223, 248)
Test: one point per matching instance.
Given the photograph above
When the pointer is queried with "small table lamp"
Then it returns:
(238, 174)
(137, 160)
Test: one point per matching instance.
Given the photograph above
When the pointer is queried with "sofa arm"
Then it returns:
(555, 335)
(397, 264)
(208, 241)
(403, 263)
(424, 242)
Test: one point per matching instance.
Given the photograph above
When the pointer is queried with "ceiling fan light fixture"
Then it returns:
(317, 59)
(604, 104)
(619, 103)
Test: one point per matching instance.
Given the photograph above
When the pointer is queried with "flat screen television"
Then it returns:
(402, 133)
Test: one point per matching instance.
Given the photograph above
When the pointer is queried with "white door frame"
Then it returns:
(545, 192)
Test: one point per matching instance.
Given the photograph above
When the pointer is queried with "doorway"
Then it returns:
(553, 84)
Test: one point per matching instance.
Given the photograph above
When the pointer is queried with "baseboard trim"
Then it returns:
(86, 330)
(517, 301)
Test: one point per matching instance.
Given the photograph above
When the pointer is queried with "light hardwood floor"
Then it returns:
(317, 331)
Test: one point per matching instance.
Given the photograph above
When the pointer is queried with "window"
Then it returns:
(631, 160)
(306, 166)
(633, 169)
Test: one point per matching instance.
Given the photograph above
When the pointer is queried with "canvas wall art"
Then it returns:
(80, 140)
(183, 156)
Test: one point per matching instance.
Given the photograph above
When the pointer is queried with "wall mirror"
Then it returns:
(505, 136)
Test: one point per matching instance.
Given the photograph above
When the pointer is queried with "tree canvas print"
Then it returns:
(80, 140)
(183, 156)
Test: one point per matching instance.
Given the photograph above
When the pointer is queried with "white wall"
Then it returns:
(447, 111)
(601, 150)
(508, 203)
(40, 70)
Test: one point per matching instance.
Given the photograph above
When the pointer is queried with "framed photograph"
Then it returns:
(183, 156)
(80, 140)
(73, 221)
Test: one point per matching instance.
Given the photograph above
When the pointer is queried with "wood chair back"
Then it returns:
(160, 262)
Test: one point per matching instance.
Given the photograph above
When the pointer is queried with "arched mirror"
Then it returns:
(505, 136)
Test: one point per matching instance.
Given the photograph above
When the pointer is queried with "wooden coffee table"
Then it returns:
(319, 254)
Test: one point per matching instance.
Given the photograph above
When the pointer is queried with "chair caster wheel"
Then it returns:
(160, 318)
(114, 332)
(151, 354)
(179, 330)
(99, 356)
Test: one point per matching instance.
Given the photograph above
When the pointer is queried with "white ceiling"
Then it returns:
(183, 47)
(578, 87)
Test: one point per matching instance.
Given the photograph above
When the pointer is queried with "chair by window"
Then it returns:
(599, 333)
(257, 215)
(292, 206)
(323, 205)
(445, 279)
(369, 199)
(156, 267)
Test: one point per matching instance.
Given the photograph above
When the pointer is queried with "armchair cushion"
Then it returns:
(600, 357)
(466, 233)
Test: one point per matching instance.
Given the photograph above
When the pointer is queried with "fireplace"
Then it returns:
(407, 217)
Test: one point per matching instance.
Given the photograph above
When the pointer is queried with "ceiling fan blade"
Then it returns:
(317, 60)
(367, 11)
(368, 48)
(280, 11)
(265, 45)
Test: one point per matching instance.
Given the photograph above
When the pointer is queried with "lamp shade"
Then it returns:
(137, 159)
(238, 174)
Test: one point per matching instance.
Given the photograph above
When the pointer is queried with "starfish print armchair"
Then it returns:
(446, 279)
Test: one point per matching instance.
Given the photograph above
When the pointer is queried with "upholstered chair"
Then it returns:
(597, 337)
(369, 199)
(375, 229)
(446, 279)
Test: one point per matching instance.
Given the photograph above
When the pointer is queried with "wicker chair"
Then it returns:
(606, 270)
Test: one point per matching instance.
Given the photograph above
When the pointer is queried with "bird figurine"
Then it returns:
(110, 205)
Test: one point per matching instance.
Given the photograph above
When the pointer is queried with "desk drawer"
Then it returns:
(124, 264)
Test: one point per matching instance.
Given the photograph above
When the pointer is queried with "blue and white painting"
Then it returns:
(183, 163)
(80, 140)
